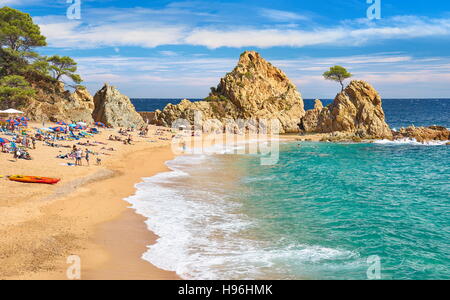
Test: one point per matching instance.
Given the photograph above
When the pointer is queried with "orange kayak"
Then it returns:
(34, 179)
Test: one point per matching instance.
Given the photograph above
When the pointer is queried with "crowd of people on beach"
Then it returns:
(20, 144)
(19, 140)
(126, 135)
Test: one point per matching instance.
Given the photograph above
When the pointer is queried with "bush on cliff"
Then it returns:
(14, 89)
(64, 66)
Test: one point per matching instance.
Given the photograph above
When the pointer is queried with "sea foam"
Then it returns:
(411, 141)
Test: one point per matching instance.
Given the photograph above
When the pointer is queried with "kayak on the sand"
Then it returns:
(34, 179)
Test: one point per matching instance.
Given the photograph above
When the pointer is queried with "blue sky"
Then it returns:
(181, 48)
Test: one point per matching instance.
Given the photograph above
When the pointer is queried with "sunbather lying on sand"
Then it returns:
(109, 149)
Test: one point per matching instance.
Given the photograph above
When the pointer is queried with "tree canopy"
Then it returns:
(64, 66)
(337, 73)
(14, 89)
(19, 37)
(18, 32)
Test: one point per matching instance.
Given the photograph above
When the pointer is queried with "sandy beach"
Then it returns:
(83, 215)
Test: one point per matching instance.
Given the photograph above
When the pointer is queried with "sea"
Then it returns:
(322, 211)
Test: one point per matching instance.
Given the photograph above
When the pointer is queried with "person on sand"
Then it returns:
(87, 157)
(79, 155)
(16, 154)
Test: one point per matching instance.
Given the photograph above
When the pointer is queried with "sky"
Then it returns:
(179, 49)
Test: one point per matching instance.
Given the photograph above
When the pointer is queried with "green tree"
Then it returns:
(64, 66)
(337, 73)
(18, 32)
(14, 90)
(10, 62)
(18, 36)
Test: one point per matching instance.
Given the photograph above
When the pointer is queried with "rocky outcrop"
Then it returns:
(114, 109)
(424, 134)
(357, 111)
(148, 116)
(254, 90)
(310, 121)
(53, 102)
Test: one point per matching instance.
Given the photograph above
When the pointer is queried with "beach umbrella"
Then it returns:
(79, 127)
(3, 141)
(11, 111)
(23, 119)
(81, 123)
(58, 129)
(72, 125)
(14, 122)
(100, 124)
(61, 123)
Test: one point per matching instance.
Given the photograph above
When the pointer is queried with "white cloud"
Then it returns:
(76, 35)
(18, 2)
(282, 16)
(9, 2)
(191, 76)
(148, 32)
(168, 53)
(340, 35)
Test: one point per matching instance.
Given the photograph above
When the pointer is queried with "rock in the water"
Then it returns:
(424, 134)
(254, 90)
(53, 102)
(114, 109)
(356, 111)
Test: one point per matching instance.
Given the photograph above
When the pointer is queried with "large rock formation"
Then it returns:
(53, 102)
(254, 90)
(356, 112)
(424, 134)
(114, 109)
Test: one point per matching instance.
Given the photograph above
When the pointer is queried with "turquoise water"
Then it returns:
(319, 213)
(392, 201)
